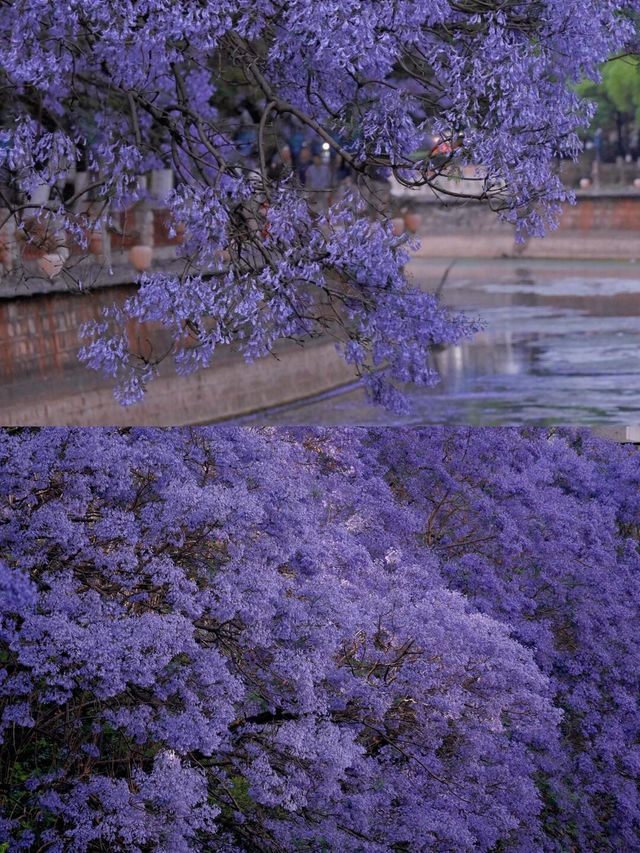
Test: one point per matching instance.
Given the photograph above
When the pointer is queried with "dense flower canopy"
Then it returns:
(350, 640)
(211, 89)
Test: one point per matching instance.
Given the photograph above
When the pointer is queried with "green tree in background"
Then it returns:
(617, 99)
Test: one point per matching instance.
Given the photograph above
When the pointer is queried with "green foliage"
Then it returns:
(617, 92)
(241, 796)
(621, 81)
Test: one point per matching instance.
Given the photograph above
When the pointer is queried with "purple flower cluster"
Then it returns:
(349, 640)
(211, 89)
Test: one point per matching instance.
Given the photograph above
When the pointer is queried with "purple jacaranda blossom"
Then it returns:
(355, 640)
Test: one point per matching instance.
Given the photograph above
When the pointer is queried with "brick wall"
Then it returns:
(43, 383)
(603, 214)
(595, 213)
(39, 334)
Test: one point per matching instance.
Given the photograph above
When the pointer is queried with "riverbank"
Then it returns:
(80, 397)
(42, 382)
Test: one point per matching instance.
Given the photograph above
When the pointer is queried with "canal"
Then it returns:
(561, 345)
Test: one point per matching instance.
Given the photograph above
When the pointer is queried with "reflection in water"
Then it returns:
(561, 345)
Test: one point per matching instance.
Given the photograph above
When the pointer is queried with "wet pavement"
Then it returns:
(561, 345)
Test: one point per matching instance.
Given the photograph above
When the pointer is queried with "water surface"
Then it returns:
(561, 346)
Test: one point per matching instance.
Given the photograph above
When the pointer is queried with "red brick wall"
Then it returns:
(39, 334)
(603, 214)
(590, 214)
(43, 383)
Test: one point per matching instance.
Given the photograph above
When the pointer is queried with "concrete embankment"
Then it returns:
(45, 390)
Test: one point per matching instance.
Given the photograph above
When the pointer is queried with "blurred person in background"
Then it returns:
(318, 183)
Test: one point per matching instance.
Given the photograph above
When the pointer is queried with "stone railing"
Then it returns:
(36, 256)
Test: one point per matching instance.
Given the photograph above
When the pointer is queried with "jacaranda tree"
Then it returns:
(209, 88)
(265, 640)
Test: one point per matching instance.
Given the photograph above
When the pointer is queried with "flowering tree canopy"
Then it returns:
(302, 640)
(211, 89)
